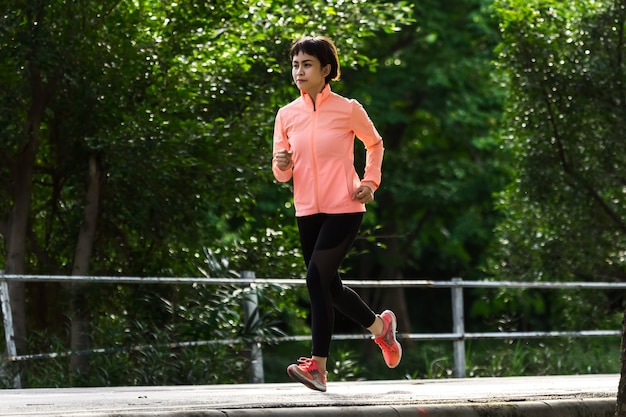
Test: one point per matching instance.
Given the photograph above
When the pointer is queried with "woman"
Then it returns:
(314, 145)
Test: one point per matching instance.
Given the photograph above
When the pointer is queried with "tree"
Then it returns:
(566, 212)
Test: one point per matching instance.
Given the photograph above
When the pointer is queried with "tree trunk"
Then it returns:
(389, 298)
(81, 317)
(18, 225)
(23, 170)
(395, 299)
(620, 410)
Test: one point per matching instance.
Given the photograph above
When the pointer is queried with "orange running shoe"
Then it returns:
(392, 351)
(308, 373)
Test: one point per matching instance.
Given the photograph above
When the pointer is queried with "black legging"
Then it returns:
(325, 240)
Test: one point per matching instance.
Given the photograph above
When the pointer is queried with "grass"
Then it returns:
(349, 361)
(359, 360)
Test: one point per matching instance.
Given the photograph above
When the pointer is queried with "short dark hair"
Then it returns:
(323, 49)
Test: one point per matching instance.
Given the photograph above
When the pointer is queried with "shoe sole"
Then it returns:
(297, 377)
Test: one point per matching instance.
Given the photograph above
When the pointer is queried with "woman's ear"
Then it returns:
(326, 70)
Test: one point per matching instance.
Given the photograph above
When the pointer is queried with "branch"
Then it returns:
(578, 179)
(410, 237)
(620, 57)
(568, 169)
(99, 22)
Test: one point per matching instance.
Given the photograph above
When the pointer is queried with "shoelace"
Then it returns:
(306, 362)
(380, 341)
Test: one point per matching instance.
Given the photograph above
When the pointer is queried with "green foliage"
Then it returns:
(543, 357)
(512, 310)
(177, 100)
(422, 360)
(176, 103)
(186, 335)
(437, 103)
(565, 124)
(493, 358)
(346, 367)
(564, 210)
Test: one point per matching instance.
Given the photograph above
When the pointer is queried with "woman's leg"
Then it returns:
(325, 241)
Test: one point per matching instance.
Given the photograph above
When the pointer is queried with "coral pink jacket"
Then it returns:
(321, 137)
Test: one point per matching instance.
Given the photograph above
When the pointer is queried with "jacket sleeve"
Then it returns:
(367, 133)
(280, 143)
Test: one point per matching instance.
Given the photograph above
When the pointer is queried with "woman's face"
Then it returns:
(308, 73)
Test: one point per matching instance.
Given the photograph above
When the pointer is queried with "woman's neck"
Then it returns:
(313, 94)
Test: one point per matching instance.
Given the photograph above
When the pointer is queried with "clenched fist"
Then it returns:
(283, 159)
(364, 194)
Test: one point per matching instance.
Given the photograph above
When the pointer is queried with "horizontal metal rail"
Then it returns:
(406, 283)
(337, 337)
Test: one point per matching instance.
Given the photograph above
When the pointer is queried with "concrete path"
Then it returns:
(558, 396)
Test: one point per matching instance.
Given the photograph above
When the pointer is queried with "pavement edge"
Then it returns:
(596, 407)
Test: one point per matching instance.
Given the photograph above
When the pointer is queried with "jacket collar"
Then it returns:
(320, 98)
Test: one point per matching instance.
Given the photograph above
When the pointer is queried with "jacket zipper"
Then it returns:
(314, 160)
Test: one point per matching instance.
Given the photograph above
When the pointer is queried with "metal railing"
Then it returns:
(458, 336)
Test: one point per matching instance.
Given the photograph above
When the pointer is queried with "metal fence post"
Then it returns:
(251, 313)
(7, 317)
(458, 327)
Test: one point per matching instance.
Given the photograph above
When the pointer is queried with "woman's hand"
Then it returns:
(283, 159)
(364, 194)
